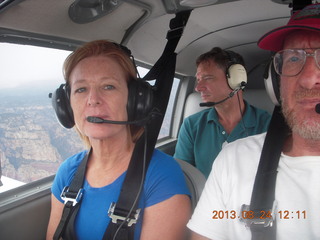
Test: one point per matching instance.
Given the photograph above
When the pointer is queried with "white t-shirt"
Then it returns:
(230, 185)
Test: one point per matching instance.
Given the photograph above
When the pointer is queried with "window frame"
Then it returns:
(24, 38)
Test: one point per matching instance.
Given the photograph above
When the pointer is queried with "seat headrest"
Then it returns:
(192, 104)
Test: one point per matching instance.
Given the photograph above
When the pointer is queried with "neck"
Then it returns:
(297, 146)
(107, 153)
(230, 113)
(107, 162)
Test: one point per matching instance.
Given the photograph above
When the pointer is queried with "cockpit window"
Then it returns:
(32, 142)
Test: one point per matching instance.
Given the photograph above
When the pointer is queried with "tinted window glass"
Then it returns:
(32, 142)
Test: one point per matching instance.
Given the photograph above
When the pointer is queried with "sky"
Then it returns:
(21, 64)
(24, 64)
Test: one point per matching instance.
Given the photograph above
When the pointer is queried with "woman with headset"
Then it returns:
(97, 78)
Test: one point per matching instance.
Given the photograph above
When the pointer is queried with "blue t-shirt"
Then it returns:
(201, 136)
(164, 179)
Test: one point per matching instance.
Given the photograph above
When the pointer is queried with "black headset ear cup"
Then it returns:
(236, 72)
(272, 83)
(140, 100)
(62, 107)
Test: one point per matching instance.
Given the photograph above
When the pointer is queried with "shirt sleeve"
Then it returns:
(59, 182)
(164, 179)
(185, 144)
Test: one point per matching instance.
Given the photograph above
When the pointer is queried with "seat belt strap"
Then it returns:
(163, 73)
(124, 213)
(72, 196)
(263, 205)
(177, 25)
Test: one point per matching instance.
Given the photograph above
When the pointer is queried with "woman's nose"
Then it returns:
(94, 98)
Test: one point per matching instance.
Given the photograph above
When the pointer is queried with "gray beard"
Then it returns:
(305, 128)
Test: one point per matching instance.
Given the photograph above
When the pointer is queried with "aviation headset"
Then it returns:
(272, 83)
(139, 105)
(235, 72)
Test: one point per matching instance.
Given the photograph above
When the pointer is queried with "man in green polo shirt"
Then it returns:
(220, 78)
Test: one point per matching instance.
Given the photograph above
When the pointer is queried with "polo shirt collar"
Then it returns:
(248, 117)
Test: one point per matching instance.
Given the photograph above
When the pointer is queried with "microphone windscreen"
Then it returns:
(317, 108)
(207, 104)
(94, 119)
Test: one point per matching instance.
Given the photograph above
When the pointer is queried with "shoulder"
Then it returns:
(162, 161)
(199, 115)
(256, 118)
(237, 161)
(251, 142)
(241, 152)
(66, 171)
(71, 164)
(199, 118)
(258, 112)
(164, 179)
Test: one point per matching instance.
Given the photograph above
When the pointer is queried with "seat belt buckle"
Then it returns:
(258, 218)
(175, 33)
(115, 218)
(66, 196)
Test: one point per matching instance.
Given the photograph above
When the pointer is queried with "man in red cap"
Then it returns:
(296, 210)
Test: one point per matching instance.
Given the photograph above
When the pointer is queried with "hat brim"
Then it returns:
(273, 40)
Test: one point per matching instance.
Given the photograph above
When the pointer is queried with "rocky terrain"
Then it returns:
(32, 143)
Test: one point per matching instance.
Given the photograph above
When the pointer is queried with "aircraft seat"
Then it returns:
(195, 181)
(192, 104)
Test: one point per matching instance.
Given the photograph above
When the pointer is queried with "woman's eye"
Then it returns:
(109, 87)
(80, 90)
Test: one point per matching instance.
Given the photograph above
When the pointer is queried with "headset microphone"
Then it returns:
(317, 108)
(140, 122)
(210, 104)
(101, 120)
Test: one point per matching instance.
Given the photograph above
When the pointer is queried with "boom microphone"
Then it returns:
(139, 122)
(317, 108)
(210, 104)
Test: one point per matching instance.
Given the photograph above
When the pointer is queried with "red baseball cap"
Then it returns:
(306, 19)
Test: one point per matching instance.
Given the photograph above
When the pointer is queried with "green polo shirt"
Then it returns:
(201, 136)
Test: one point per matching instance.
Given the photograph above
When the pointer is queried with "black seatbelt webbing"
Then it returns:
(126, 208)
(263, 195)
(163, 72)
(72, 196)
(177, 25)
